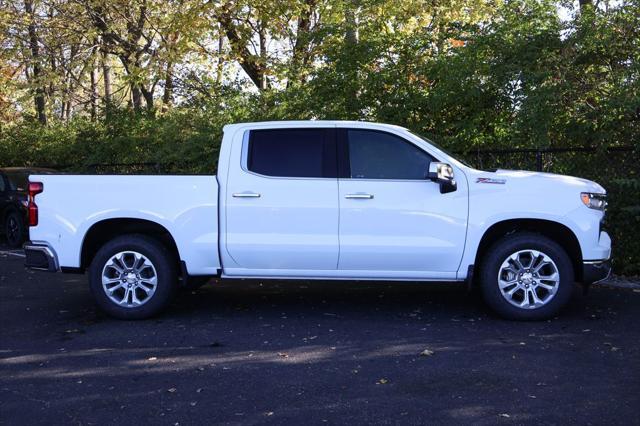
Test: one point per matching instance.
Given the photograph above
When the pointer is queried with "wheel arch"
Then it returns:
(105, 230)
(555, 231)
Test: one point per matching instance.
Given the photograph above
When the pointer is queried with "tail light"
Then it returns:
(34, 189)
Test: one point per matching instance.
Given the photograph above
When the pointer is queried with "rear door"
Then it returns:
(282, 203)
(393, 221)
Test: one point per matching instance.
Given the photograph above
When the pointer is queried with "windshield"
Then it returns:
(439, 148)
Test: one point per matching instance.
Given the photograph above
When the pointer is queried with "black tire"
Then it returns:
(496, 255)
(195, 282)
(14, 230)
(165, 268)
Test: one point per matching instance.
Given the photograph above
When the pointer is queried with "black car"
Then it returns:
(14, 182)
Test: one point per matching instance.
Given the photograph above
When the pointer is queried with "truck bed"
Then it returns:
(186, 206)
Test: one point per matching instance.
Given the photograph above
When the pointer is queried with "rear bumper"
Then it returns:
(41, 257)
(595, 271)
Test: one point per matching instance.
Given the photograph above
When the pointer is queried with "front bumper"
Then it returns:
(41, 257)
(596, 271)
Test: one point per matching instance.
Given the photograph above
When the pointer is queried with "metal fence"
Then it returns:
(559, 160)
(545, 159)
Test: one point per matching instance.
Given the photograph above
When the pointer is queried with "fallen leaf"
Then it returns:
(427, 352)
(382, 382)
(505, 415)
(171, 390)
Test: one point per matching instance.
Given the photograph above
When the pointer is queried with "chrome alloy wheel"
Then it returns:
(528, 279)
(129, 279)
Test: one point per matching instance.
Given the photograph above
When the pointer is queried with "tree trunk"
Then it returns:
(167, 96)
(262, 40)
(136, 97)
(148, 97)
(300, 56)
(220, 64)
(94, 88)
(106, 76)
(69, 111)
(252, 65)
(39, 100)
(351, 35)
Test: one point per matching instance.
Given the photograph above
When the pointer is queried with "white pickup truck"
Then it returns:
(323, 200)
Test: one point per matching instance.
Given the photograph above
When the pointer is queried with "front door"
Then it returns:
(282, 204)
(393, 222)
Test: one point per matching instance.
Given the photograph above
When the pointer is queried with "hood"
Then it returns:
(544, 179)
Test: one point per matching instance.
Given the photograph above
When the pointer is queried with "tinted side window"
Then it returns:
(292, 153)
(380, 155)
(2, 184)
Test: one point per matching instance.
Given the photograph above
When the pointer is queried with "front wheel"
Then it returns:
(526, 276)
(133, 277)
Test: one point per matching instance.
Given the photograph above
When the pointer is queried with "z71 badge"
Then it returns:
(490, 180)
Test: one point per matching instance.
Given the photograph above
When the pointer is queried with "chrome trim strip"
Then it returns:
(359, 196)
(596, 262)
(246, 195)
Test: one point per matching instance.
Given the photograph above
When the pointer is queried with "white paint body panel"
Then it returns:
(187, 206)
(533, 195)
(306, 228)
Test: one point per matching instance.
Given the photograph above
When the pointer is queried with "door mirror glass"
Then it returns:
(442, 173)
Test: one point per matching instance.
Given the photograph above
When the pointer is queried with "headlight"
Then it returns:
(594, 201)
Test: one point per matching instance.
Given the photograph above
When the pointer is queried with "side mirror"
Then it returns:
(442, 173)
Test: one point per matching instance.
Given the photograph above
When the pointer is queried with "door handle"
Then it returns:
(359, 196)
(246, 195)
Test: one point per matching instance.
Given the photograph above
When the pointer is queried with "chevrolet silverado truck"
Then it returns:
(323, 200)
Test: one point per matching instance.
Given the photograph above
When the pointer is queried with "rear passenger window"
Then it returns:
(307, 153)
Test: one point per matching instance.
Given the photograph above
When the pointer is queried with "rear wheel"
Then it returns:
(14, 230)
(526, 276)
(133, 277)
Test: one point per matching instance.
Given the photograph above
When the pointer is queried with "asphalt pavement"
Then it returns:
(307, 352)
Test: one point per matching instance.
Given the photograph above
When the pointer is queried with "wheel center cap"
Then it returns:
(131, 278)
(527, 278)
